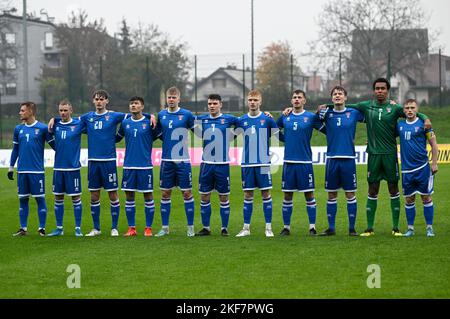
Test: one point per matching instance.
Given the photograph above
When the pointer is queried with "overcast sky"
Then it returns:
(217, 27)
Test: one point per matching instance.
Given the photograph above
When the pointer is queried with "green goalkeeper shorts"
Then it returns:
(383, 166)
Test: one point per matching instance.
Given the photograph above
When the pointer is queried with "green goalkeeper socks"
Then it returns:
(371, 209)
(395, 209)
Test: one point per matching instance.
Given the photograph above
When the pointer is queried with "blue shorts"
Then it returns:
(214, 177)
(31, 184)
(256, 177)
(102, 174)
(418, 182)
(67, 183)
(297, 177)
(173, 174)
(137, 180)
(340, 173)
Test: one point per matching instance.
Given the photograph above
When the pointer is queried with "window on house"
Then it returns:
(10, 63)
(11, 89)
(48, 40)
(219, 83)
(10, 38)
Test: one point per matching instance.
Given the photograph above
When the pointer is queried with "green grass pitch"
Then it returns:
(291, 267)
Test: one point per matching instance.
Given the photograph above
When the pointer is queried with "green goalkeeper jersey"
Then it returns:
(381, 122)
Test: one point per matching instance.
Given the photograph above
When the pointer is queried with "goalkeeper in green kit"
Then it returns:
(381, 119)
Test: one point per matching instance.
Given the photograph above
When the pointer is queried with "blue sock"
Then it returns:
(95, 211)
(428, 211)
(115, 211)
(248, 210)
(130, 211)
(189, 208)
(287, 212)
(205, 210)
(59, 212)
(331, 213)
(165, 211)
(410, 210)
(352, 209)
(24, 211)
(267, 207)
(42, 211)
(77, 211)
(149, 212)
(225, 213)
(311, 208)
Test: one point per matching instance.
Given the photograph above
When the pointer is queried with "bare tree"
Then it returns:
(367, 31)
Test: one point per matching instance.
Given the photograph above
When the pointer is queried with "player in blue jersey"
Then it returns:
(215, 168)
(298, 174)
(340, 171)
(256, 128)
(28, 147)
(66, 172)
(101, 126)
(175, 123)
(138, 168)
(417, 175)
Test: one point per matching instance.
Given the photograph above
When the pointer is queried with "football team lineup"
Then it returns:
(384, 119)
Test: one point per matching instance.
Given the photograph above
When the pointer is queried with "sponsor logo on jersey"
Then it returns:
(245, 124)
(91, 120)
(206, 121)
(288, 119)
(128, 126)
(331, 115)
(21, 131)
(164, 117)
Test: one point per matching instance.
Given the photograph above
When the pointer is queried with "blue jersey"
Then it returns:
(257, 131)
(216, 136)
(68, 144)
(175, 128)
(413, 144)
(101, 131)
(31, 141)
(139, 136)
(297, 130)
(341, 128)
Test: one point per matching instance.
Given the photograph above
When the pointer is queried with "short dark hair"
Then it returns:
(137, 98)
(215, 97)
(299, 92)
(382, 80)
(100, 93)
(338, 88)
(30, 105)
(411, 101)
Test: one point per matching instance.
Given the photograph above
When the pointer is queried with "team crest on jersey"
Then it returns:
(417, 129)
(36, 131)
(72, 128)
(388, 109)
(180, 117)
(144, 126)
(347, 114)
(107, 117)
(262, 122)
(222, 121)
